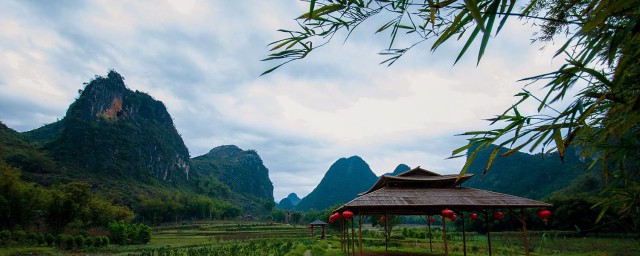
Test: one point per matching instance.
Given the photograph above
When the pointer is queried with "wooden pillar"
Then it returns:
(429, 234)
(342, 235)
(386, 236)
(524, 232)
(324, 232)
(360, 231)
(353, 239)
(346, 232)
(486, 217)
(444, 235)
(464, 235)
(312, 235)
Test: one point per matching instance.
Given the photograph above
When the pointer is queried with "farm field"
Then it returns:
(261, 238)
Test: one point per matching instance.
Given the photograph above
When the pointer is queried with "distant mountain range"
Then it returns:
(399, 169)
(343, 181)
(289, 202)
(125, 144)
(521, 174)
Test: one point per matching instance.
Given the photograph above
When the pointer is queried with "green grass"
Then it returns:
(220, 238)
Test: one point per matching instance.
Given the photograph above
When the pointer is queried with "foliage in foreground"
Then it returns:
(257, 248)
(600, 54)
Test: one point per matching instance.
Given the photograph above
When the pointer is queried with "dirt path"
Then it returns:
(307, 253)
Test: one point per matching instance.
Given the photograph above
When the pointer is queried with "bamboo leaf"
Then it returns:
(459, 150)
(506, 15)
(557, 137)
(312, 4)
(466, 45)
(324, 10)
(487, 32)
(472, 6)
(493, 155)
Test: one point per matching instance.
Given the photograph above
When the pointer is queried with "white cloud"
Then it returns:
(201, 58)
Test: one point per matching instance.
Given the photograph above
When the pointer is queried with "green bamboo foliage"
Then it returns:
(601, 55)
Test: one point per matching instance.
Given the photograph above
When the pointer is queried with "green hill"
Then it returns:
(526, 175)
(112, 131)
(344, 180)
(399, 169)
(241, 170)
(289, 202)
(124, 145)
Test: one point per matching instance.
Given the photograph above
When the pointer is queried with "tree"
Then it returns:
(600, 52)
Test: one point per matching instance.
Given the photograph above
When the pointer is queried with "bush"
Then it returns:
(68, 242)
(31, 239)
(141, 234)
(122, 233)
(58, 240)
(5, 237)
(50, 239)
(19, 236)
(88, 242)
(78, 241)
(105, 241)
(40, 239)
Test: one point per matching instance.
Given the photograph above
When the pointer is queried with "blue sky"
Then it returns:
(202, 59)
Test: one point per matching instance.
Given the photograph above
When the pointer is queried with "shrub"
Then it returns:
(5, 237)
(31, 239)
(141, 234)
(19, 236)
(50, 239)
(105, 241)
(58, 240)
(67, 242)
(88, 242)
(78, 241)
(122, 233)
(40, 239)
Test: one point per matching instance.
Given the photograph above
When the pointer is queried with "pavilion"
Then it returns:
(318, 223)
(422, 192)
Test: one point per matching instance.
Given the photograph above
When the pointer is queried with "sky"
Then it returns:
(202, 60)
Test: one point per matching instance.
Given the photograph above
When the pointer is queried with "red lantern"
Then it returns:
(432, 219)
(498, 215)
(447, 213)
(544, 215)
(473, 216)
(454, 217)
(309, 226)
(347, 215)
(332, 219)
(383, 219)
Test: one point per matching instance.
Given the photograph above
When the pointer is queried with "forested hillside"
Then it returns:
(343, 181)
(526, 175)
(118, 152)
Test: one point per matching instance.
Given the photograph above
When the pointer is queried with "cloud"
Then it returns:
(201, 58)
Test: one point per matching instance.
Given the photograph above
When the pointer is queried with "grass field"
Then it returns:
(259, 238)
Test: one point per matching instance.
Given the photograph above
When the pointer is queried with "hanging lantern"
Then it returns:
(337, 216)
(347, 215)
(309, 226)
(454, 217)
(447, 213)
(332, 219)
(544, 215)
(473, 216)
(498, 215)
(383, 219)
(432, 219)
